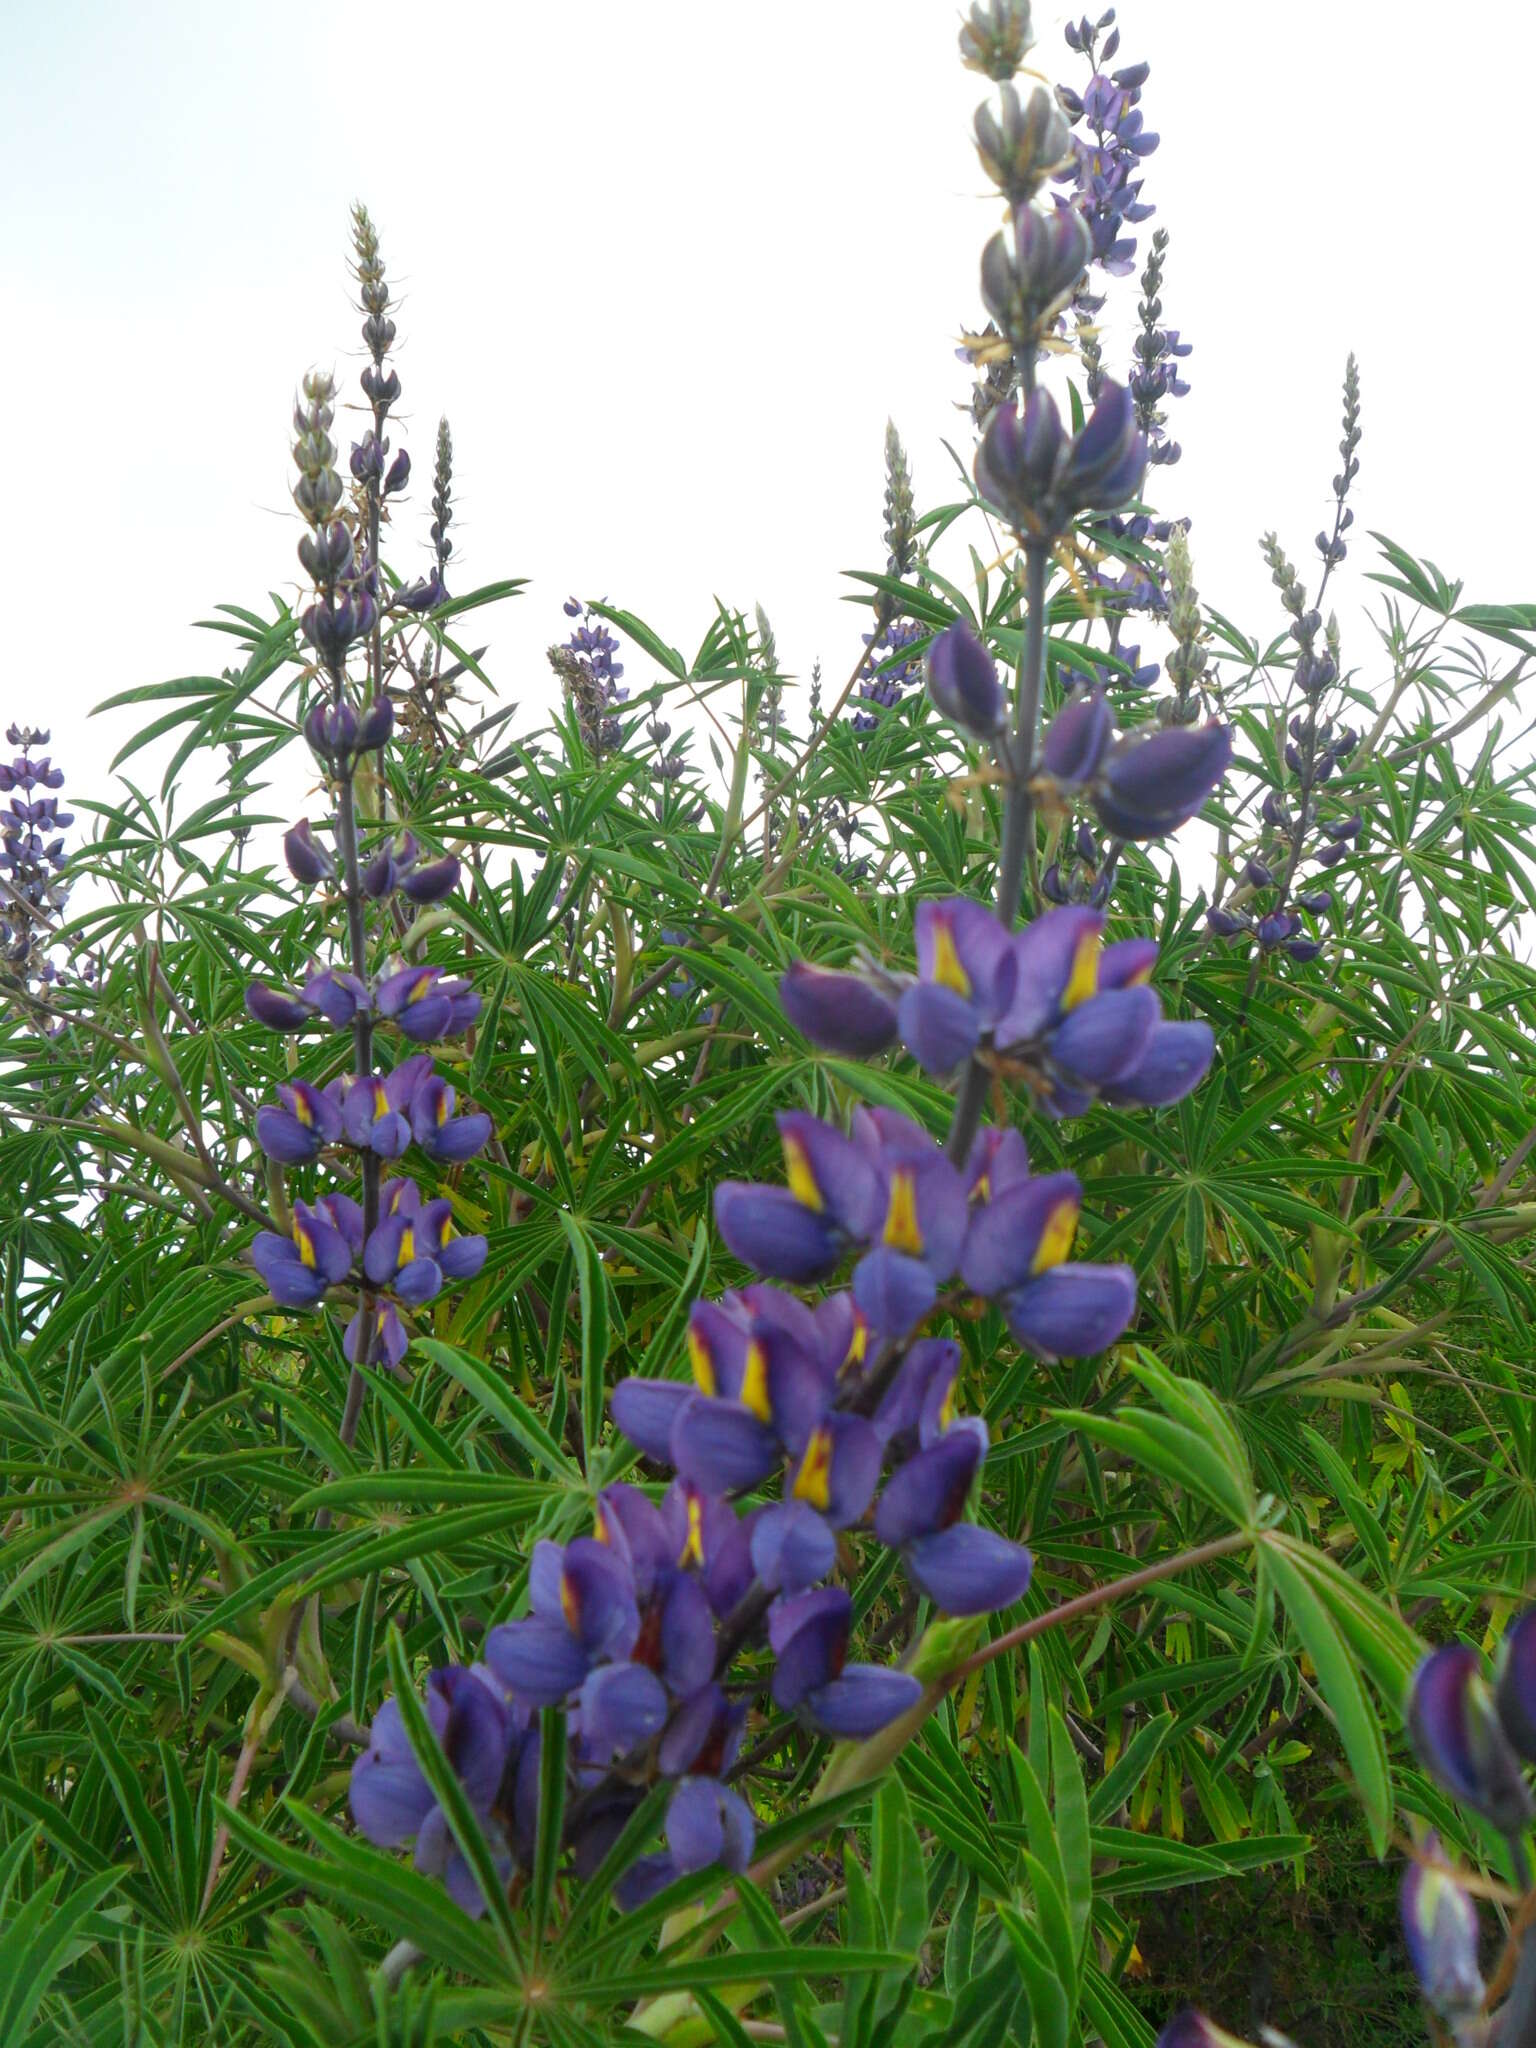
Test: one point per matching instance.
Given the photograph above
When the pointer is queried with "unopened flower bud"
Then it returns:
(963, 682)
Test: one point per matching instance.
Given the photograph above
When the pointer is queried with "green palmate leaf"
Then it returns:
(1338, 1679)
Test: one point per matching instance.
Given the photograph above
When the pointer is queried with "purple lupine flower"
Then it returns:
(279, 1009)
(1515, 1687)
(1455, 1731)
(380, 1331)
(1150, 786)
(437, 1129)
(1084, 1023)
(426, 1006)
(299, 1268)
(373, 1107)
(584, 1611)
(841, 1012)
(413, 1251)
(1440, 1928)
(482, 1739)
(424, 595)
(339, 997)
(388, 867)
(894, 672)
(430, 884)
(299, 1125)
(963, 682)
(918, 1406)
(808, 1635)
(966, 975)
(962, 1568)
(308, 861)
(1038, 476)
(1016, 1254)
(1085, 673)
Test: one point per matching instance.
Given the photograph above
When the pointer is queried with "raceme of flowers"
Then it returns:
(33, 890)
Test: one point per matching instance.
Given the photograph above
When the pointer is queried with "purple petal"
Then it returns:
(967, 1570)
(862, 1701)
(645, 1411)
(842, 1013)
(769, 1230)
(622, 1707)
(1073, 1311)
(722, 1445)
(539, 1661)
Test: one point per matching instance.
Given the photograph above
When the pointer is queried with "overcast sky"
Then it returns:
(668, 267)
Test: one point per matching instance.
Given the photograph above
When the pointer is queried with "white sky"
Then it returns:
(668, 268)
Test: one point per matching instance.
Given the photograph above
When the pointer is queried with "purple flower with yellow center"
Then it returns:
(308, 861)
(426, 1006)
(966, 971)
(1455, 1730)
(1084, 1022)
(808, 1635)
(390, 865)
(690, 1530)
(801, 1232)
(584, 1614)
(300, 1267)
(1016, 1254)
(707, 1823)
(376, 1336)
(392, 1803)
(298, 1125)
(435, 1127)
(372, 1107)
(999, 1157)
(918, 1406)
(961, 1568)
(414, 1250)
(1440, 1928)
(338, 996)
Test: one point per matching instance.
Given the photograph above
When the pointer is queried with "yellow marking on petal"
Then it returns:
(1141, 977)
(693, 1542)
(901, 1227)
(947, 1408)
(858, 1344)
(947, 970)
(305, 1243)
(1083, 981)
(570, 1604)
(813, 1482)
(754, 1383)
(982, 1192)
(703, 1365)
(797, 1171)
(422, 984)
(407, 1244)
(1056, 1238)
(600, 1524)
(380, 1100)
(442, 1107)
(301, 1110)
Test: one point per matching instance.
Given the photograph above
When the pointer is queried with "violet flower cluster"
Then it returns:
(590, 677)
(395, 1249)
(33, 885)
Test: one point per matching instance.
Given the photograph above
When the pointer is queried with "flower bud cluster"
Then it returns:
(995, 38)
(590, 676)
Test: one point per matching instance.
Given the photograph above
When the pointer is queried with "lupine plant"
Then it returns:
(865, 1384)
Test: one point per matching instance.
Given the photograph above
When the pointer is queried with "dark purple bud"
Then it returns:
(375, 725)
(1077, 737)
(963, 682)
(308, 861)
(1456, 1733)
(1151, 786)
(842, 1013)
(399, 472)
(275, 1008)
(1316, 901)
(1515, 1690)
(1303, 949)
(1260, 876)
(331, 730)
(433, 882)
